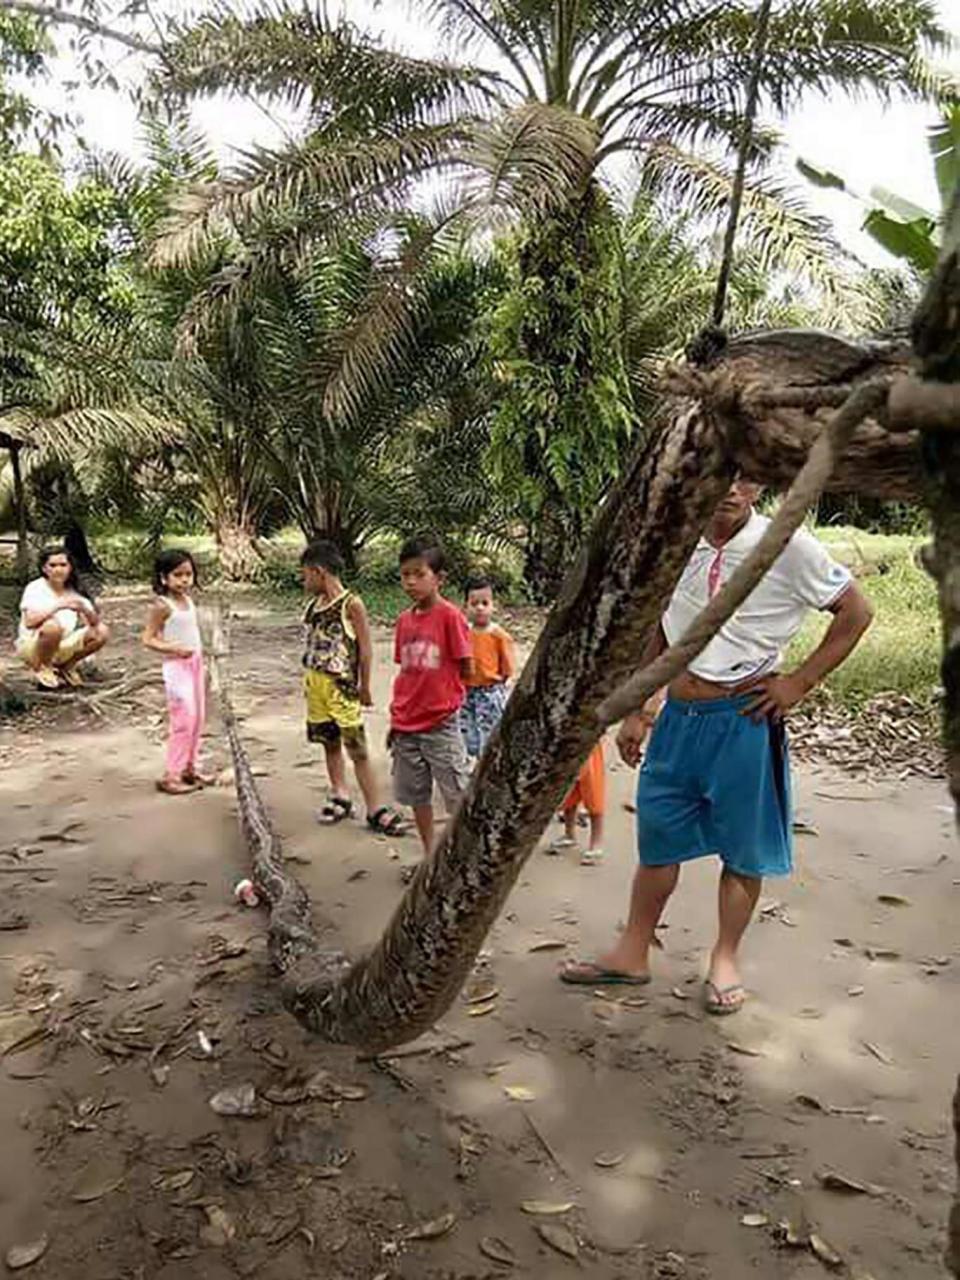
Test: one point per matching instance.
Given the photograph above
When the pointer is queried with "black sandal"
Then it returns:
(387, 822)
(335, 810)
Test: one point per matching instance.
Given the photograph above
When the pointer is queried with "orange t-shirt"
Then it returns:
(493, 660)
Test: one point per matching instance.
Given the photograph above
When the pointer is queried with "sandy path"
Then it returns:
(127, 911)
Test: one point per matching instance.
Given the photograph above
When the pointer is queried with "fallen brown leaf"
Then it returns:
(19, 1256)
(497, 1250)
(558, 1238)
(608, 1160)
(434, 1229)
(546, 1208)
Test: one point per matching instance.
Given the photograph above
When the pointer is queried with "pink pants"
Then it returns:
(184, 681)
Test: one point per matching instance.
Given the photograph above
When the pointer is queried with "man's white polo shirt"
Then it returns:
(752, 642)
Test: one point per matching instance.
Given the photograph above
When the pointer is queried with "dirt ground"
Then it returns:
(133, 989)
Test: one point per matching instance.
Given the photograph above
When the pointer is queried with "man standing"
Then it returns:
(715, 780)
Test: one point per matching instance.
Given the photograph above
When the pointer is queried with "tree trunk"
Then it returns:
(237, 552)
(549, 550)
(936, 342)
(613, 595)
(75, 540)
(20, 511)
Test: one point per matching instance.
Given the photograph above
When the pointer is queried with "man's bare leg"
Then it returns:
(737, 899)
(652, 887)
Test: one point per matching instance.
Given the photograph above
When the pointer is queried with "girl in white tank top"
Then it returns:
(173, 632)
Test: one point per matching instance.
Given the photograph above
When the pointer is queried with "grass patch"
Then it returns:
(901, 651)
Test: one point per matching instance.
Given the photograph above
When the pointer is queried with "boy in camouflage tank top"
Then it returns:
(337, 661)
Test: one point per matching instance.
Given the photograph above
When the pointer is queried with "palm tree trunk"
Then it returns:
(20, 506)
(237, 552)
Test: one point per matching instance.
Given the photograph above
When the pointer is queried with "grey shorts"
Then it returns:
(422, 759)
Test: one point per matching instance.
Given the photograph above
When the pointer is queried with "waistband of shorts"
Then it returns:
(710, 706)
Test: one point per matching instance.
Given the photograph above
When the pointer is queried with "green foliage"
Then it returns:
(902, 228)
(556, 90)
(901, 651)
(57, 254)
(24, 47)
(565, 410)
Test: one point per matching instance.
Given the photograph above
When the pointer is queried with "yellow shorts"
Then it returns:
(69, 646)
(333, 715)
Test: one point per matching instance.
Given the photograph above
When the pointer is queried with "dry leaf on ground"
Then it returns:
(497, 1250)
(558, 1238)
(546, 1208)
(433, 1229)
(19, 1256)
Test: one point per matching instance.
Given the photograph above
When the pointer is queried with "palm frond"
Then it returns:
(530, 160)
(322, 173)
(333, 69)
(775, 226)
(83, 433)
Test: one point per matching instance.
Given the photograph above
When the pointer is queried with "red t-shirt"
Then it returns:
(429, 648)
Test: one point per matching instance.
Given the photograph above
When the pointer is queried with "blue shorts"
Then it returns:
(714, 782)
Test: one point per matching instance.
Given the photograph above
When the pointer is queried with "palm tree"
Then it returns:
(557, 92)
(563, 88)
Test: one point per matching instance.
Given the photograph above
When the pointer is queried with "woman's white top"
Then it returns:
(751, 643)
(181, 627)
(38, 596)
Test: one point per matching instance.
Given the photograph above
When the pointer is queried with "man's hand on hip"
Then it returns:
(774, 696)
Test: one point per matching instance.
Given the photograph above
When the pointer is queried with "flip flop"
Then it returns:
(195, 778)
(556, 847)
(387, 822)
(584, 973)
(714, 1002)
(177, 788)
(335, 810)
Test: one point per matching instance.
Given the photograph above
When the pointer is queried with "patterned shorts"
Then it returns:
(333, 716)
(480, 715)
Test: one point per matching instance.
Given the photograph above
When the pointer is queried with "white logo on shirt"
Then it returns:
(420, 655)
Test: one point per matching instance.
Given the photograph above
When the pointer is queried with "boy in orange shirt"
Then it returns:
(590, 791)
(493, 666)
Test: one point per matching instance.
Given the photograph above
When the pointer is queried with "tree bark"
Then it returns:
(237, 552)
(936, 341)
(20, 505)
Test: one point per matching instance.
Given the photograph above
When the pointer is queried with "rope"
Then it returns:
(746, 138)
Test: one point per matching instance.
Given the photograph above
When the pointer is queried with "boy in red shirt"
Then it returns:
(433, 649)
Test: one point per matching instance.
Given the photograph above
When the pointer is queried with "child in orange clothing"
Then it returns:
(590, 791)
(493, 666)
